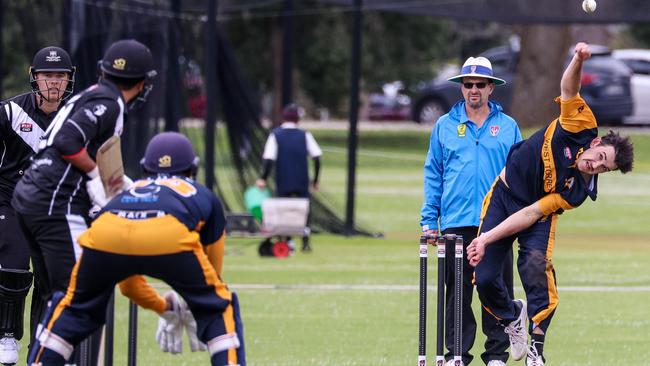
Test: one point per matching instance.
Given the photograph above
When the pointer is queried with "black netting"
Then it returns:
(174, 31)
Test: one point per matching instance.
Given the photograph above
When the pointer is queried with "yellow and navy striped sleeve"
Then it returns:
(215, 252)
(140, 291)
(575, 115)
(553, 202)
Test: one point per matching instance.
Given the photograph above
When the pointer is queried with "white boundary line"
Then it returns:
(397, 288)
(326, 287)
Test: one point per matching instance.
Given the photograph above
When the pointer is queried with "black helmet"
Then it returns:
(170, 153)
(128, 59)
(52, 59)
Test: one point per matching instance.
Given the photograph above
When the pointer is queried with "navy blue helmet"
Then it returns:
(128, 59)
(170, 153)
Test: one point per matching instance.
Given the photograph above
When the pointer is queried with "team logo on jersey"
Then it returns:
(165, 161)
(581, 108)
(568, 183)
(567, 152)
(26, 127)
(461, 130)
(494, 130)
(99, 109)
(53, 57)
(119, 64)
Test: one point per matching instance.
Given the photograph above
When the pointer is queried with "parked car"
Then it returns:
(391, 104)
(639, 61)
(605, 86)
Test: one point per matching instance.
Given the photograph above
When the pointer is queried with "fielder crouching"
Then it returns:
(156, 229)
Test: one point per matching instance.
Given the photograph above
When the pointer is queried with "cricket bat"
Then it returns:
(109, 163)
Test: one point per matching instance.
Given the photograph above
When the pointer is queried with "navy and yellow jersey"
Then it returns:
(543, 167)
(159, 215)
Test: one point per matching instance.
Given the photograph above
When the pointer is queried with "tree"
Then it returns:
(541, 64)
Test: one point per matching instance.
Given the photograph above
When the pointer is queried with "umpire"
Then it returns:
(23, 120)
(53, 198)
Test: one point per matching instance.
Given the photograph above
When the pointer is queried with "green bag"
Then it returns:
(253, 198)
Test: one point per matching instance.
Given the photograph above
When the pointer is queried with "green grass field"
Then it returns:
(354, 301)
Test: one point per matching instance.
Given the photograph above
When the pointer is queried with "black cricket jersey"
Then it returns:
(22, 124)
(54, 186)
(543, 167)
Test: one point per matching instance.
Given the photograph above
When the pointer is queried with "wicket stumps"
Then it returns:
(441, 241)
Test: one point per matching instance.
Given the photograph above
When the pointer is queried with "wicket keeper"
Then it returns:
(168, 227)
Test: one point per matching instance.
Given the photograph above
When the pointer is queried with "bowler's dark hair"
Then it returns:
(623, 149)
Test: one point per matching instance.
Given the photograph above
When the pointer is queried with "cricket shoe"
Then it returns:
(533, 358)
(451, 363)
(9, 351)
(516, 331)
(496, 363)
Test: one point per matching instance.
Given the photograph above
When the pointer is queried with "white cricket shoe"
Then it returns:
(496, 363)
(451, 363)
(533, 358)
(9, 351)
(516, 331)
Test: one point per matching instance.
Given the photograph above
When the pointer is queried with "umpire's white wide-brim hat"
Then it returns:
(477, 67)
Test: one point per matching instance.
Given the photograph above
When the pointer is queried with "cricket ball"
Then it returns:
(589, 6)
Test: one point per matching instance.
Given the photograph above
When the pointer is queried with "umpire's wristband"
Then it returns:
(93, 173)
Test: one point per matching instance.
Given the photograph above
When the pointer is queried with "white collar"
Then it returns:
(289, 125)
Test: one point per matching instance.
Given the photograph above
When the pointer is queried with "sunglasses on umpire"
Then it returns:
(480, 85)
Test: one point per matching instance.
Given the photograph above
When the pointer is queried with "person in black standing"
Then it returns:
(23, 120)
(288, 147)
(53, 199)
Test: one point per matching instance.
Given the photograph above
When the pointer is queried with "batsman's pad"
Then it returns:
(14, 286)
(46, 339)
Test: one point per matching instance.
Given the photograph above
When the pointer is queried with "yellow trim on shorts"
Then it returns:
(550, 279)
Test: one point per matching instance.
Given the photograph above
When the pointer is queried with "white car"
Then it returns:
(639, 61)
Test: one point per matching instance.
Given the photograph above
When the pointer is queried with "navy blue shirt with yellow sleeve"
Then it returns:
(159, 215)
(543, 167)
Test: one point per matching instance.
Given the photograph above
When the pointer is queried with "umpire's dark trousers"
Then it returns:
(497, 342)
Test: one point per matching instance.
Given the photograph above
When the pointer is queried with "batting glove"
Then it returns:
(170, 329)
(95, 188)
(190, 327)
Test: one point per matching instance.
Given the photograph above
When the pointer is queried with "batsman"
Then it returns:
(53, 198)
(168, 227)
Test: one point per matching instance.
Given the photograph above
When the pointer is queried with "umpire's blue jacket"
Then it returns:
(461, 165)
